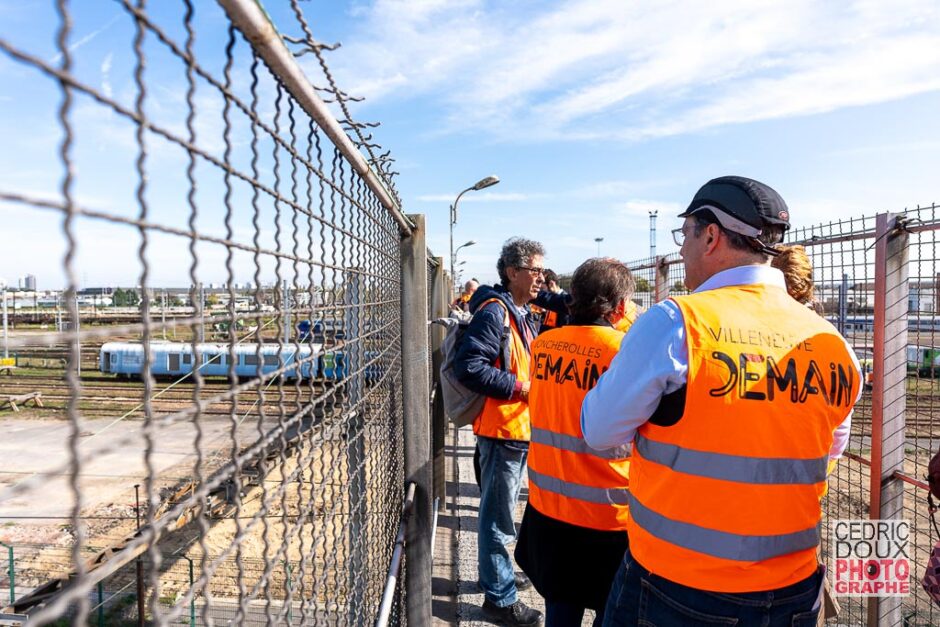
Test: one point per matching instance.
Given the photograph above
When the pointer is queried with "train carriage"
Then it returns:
(174, 359)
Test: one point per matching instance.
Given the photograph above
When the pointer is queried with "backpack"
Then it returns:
(461, 405)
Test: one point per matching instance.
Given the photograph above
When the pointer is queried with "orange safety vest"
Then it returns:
(727, 498)
(568, 480)
(550, 321)
(507, 419)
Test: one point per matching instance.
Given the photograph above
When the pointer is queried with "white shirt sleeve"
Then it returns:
(653, 361)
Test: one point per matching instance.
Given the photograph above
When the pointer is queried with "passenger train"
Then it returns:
(171, 359)
(866, 324)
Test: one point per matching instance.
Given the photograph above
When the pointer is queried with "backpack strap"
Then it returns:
(503, 349)
(501, 304)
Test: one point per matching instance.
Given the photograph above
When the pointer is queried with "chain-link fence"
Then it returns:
(253, 470)
(877, 280)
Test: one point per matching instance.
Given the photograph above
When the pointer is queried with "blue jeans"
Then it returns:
(502, 463)
(565, 614)
(639, 597)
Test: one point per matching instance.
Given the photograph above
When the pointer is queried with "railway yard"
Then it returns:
(35, 514)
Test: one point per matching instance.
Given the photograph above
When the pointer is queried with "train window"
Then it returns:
(250, 360)
(187, 359)
(174, 361)
(270, 360)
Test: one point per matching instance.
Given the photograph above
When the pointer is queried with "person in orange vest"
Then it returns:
(742, 399)
(492, 359)
(462, 302)
(573, 532)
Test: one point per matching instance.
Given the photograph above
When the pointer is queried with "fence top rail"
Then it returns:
(805, 236)
(250, 18)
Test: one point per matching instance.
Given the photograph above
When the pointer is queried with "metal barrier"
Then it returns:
(878, 280)
(273, 466)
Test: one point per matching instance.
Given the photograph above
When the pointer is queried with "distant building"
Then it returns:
(29, 283)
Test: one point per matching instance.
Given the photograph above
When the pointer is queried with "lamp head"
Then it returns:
(471, 242)
(487, 182)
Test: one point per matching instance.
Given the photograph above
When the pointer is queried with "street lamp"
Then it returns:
(481, 184)
(598, 240)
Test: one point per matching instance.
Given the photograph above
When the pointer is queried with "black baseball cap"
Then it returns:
(738, 203)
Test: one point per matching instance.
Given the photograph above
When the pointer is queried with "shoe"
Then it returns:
(523, 582)
(518, 614)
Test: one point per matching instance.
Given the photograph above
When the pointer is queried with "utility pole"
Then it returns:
(6, 339)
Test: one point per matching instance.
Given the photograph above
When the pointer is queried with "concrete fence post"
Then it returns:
(889, 393)
(417, 422)
(439, 301)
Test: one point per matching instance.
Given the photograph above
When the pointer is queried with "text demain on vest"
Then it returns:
(745, 369)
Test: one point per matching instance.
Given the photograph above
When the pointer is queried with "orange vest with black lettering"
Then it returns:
(507, 419)
(727, 498)
(568, 480)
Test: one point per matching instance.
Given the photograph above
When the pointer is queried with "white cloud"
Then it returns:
(106, 75)
(88, 38)
(602, 68)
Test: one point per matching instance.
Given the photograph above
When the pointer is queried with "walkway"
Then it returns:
(457, 599)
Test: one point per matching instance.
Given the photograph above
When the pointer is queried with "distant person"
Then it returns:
(552, 303)
(462, 302)
(496, 363)
(732, 424)
(573, 533)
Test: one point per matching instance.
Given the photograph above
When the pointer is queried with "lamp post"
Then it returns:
(481, 184)
(598, 240)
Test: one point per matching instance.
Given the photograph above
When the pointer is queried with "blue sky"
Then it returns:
(592, 113)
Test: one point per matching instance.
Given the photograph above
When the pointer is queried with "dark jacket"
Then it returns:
(557, 303)
(484, 341)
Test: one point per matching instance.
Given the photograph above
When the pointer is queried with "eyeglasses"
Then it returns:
(678, 236)
(534, 271)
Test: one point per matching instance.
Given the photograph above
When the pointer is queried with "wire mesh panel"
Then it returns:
(259, 447)
(843, 274)
(922, 424)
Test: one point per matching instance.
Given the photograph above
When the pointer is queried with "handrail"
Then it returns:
(385, 608)
(250, 18)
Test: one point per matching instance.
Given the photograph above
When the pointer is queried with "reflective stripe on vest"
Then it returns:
(603, 496)
(727, 498)
(729, 546)
(761, 470)
(575, 444)
(568, 480)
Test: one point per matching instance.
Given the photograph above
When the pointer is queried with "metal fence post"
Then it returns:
(439, 297)
(889, 398)
(355, 447)
(416, 407)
